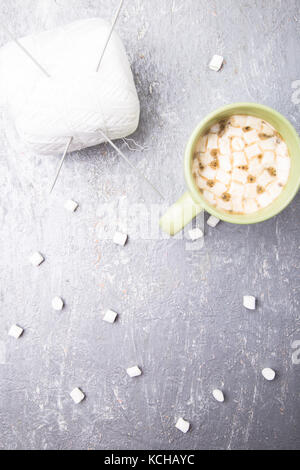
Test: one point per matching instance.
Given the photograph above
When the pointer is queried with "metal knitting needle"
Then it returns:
(129, 162)
(110, 33)
(61, 164)
(17, 42)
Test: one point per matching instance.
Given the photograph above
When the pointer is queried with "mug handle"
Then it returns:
(180, 214)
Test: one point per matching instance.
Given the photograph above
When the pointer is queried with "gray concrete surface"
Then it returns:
(181, 315)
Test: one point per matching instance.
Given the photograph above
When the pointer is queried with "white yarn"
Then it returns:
(76, 101)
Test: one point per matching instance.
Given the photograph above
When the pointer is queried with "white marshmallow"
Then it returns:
(254, 167)
(209, 197)
(224, 145)
(274, 189)
(71, 206)
(250, 190)
(283, 177)
(237, 144)
(268, 144)
(253, 122)
(249, 302)
(134, 371)
(269, 374)
(239, 159)
(216, 62)
(264, 199)
(253, 151)
(251, 137)
(213, 221)
(234, 132)
(215, 128)
(206, 158)
(16, 331)
(182, 425)
(239, 175)
(225, 205)
(77, 395)
(201, 182)
(120, 238)
(218, 395)
(195, 167)
(250, 206)
(218, 189)
(283, 168)
(236, 189)
(281, 149)
(264, 179)
(57, 304)
(209, 173)
(223, 176)
(237, 204)
(110, 316)
(212, 141)
(201, 145)
(268, 158)
(196, 234)
(36, 259)
(267, 129)
(224, 162)
(238, 120)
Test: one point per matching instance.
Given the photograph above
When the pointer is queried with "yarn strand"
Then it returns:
(129, 163)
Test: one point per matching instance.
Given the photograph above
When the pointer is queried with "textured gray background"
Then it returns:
(181, 315)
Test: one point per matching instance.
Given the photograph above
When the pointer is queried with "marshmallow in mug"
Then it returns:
(241, 164)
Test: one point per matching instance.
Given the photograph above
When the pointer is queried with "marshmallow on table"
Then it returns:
(218, 395)
(120, 238)
(213, 221)
(249, 302)
(71, 206)
(195, 234)
(110, 316)
(269, 374)
(182, 425)
(57, 303)
(15, 331)
(134, 371)
(36, 259)
(216, 62)
(77, 395)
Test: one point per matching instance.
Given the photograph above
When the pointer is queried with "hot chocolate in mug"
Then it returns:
(193, 201)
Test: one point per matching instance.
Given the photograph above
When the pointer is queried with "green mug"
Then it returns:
(192, 202)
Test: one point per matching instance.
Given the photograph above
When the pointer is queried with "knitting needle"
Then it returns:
(61, 164)
(110, 33)
(17, 42)
(129, 162)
